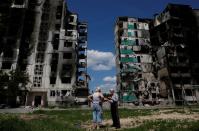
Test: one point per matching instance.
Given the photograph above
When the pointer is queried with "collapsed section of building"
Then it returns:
(44, 39)
(157, 59)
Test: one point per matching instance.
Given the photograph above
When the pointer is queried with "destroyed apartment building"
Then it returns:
(134, 61)
(157, 60)
(45, 39)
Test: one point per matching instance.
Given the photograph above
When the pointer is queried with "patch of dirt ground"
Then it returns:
(26, 117)
(133, 122)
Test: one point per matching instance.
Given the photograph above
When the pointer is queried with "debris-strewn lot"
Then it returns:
(76, 119)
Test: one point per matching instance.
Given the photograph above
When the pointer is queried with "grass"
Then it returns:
(71, 120)
(167, 125)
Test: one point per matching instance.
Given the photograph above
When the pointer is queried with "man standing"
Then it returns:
(113, 99)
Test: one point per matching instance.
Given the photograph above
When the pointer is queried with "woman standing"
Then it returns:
(97, 99)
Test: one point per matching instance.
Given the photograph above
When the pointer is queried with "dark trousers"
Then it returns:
(115, 115)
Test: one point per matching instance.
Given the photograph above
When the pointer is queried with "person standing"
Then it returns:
(113, 99)
(97, 99)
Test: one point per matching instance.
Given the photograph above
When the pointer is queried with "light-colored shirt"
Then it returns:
(114, 98)
(97, 97)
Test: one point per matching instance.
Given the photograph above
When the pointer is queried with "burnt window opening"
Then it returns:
(54, 68)
(40, 58)
(52, 80)
(45, 17)
(8, 53)
(69, 33)
(71, 27)
(136, 33)
(55, 56)
(52, 93)
(137, 42)
(10, 43)
(63, 92)
(43, 36)
(66, 70)
(44, 27)
(71, 19)
(188, 92)
(19, 2)
(46, 4)
(67, 55)
(41, 46)
(23, 67)
(6, 65)
(183, 59)
(121, 33)
(59, 12)
(81, 92)
(56, 42)
(38, 69)
(57, 26)
(68, 44)
(37, 81)
(139, 75)
(138, 58)
(54, 62)
(67, 67)
(135, 25)
(66, 80)
(58, 93)
(5, 78)
(121, 25)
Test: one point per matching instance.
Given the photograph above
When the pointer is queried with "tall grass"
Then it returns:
(71, 120)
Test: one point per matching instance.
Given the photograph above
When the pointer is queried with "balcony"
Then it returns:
(71, 35)
(72, 19)
(82, 56)
(82, 73)
(126, 59)
(82, 30)
(126, 51)
(82, 65)
(128, 42)
(82, 38)
(131, 26)
(82, 48)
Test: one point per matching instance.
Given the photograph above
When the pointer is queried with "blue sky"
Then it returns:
(101, 16)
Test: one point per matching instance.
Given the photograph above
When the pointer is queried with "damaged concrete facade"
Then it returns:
(169, 75)
(135, 79)
(46, 45)
(174, 38)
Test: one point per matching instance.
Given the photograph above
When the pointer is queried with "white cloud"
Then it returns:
(107, 86)
(110, 79)
(99, 60)
(109, 82)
